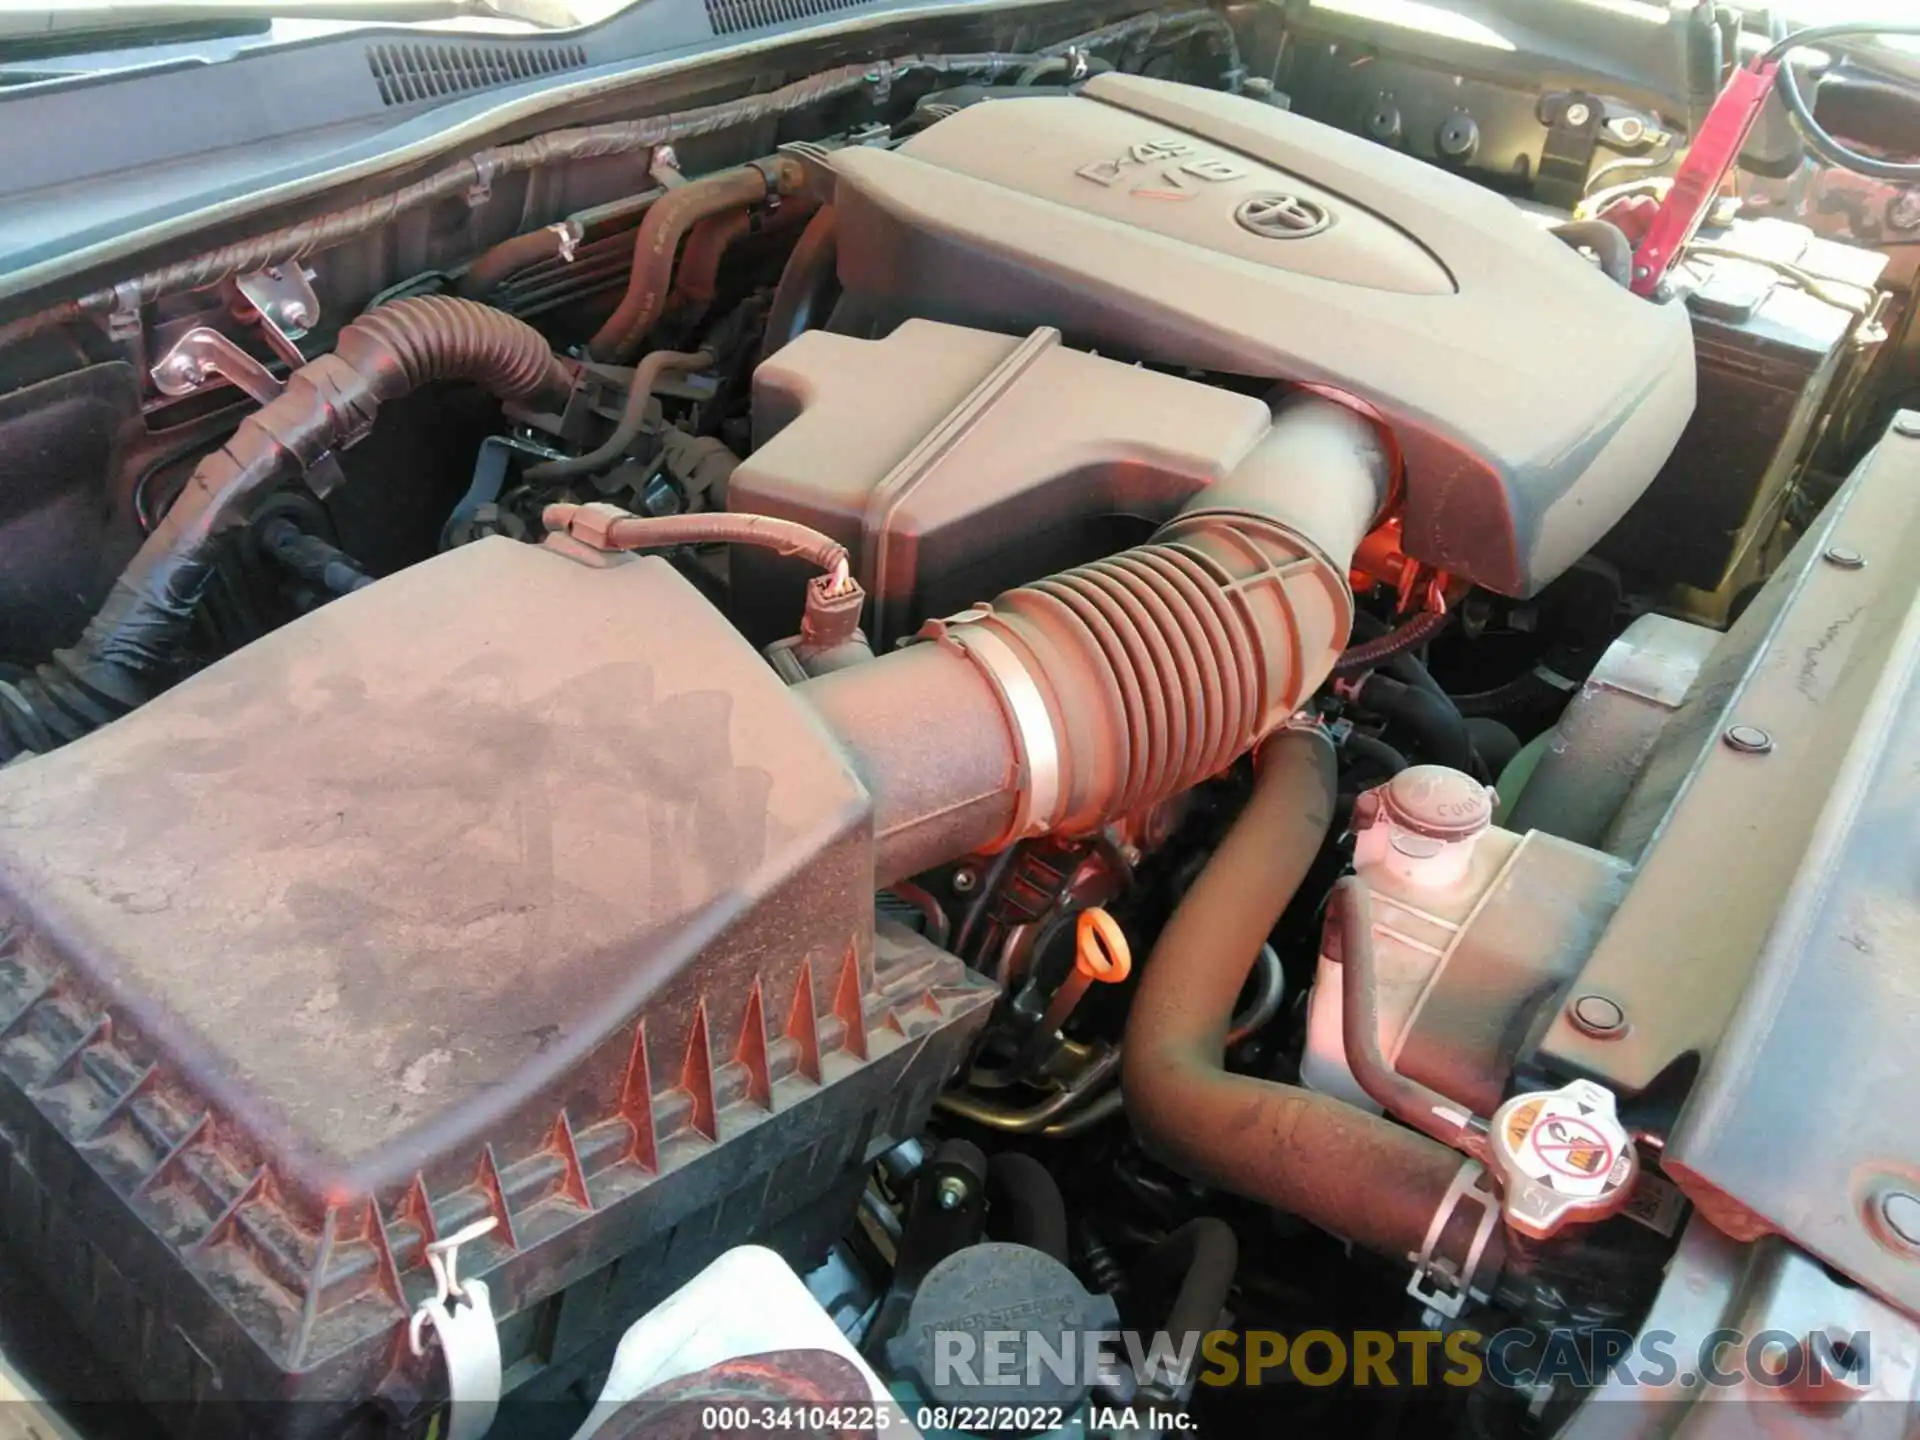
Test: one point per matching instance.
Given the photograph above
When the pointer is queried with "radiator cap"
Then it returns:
(1561, 1155)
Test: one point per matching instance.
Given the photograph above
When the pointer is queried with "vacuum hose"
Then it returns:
(1024, 1204)
(1196, 1263)
(135, 638)
(1345, 1170)
(657, 243)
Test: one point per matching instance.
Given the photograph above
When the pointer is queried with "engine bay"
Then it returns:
(1015, 693)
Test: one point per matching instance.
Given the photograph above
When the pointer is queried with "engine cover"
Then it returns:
(1534, 399)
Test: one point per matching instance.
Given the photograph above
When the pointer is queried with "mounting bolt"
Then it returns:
(1747, 739)
(1900, 1213)
(1907, 423)
(952, 1193)
(1844, 556)
(1578, 114)
(964, 879)
(181, 370)
(1598, 1016)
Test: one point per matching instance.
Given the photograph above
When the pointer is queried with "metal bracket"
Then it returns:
(123, 321)
(1573, 133)
(287, 305)
(489, 476)
(202, 353)
(1449, 1290)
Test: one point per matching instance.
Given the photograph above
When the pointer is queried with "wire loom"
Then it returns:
(322, 232)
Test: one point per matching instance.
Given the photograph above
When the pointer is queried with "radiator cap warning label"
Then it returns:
(1561, 1155)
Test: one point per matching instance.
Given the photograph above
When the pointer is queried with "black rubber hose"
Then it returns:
(1377, 753)
(807, 286)
(1269, 981)
(1024, 1204)
(130, 648)
(656, 244)
(633, 415)
(1607, 241)
(1433, 721)
(500, 264)
(1810, 129)
(1404, 665)
(1196, 1263)
(1410, 636)
(1494, 745)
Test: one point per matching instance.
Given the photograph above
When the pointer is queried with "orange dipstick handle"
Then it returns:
(1101, 955)
(1101, 951)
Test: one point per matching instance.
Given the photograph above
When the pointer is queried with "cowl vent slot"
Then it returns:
(407, 74)
(729, 17)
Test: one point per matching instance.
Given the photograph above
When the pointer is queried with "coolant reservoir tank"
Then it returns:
(1422, 825)
(1425, 847)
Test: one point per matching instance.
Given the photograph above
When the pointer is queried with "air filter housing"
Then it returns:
(508, 887)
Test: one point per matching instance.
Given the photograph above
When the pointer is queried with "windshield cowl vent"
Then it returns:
(407, 74)
(729, 17)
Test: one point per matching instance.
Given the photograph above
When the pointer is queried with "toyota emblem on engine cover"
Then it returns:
(1282, 217)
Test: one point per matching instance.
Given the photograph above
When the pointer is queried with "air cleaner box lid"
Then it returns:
(404, 868)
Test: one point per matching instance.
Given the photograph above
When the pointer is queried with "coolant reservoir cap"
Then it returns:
(1561, 1155)
(1438, 802)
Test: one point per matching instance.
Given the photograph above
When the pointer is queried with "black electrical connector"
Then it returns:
(311, 558)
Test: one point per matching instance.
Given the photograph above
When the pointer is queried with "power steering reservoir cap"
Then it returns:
(1561, 1155)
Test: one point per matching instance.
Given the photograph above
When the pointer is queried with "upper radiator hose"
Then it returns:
(1310, 1154)
(137, 633)
(1097, 693)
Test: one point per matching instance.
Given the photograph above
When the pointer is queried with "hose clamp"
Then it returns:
(1033, 729)
(773, 172)
(568, 234)
(486, 163)
(1435, 1281)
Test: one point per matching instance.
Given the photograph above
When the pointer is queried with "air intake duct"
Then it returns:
(1094, 694)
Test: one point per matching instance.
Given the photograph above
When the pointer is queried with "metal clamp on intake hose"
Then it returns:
(1034, 736)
